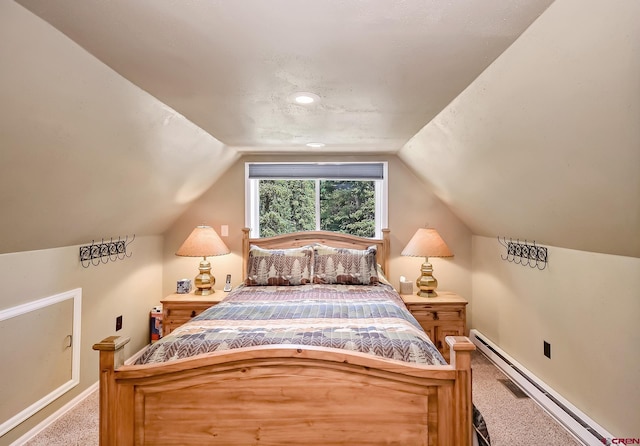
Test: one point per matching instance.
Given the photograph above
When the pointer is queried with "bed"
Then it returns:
(326, 384)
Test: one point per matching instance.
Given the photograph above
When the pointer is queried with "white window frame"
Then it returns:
(252, 205)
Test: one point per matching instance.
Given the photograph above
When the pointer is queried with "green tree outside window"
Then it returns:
(290, 206)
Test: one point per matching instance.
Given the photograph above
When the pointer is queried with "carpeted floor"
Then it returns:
(512, 421)
(78, 427)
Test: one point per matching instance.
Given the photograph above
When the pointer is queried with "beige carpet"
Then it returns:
(78, 427)
(511, 421)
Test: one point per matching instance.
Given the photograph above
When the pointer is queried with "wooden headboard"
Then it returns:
(335, 239)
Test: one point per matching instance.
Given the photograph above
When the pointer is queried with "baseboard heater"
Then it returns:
(583, 428)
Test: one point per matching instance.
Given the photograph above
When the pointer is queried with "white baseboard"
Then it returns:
(55, 416)
(43, 399)
(578, 424)
(67, 407)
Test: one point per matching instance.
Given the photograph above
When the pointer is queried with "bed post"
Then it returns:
(111, 357)
(386, 236)
(245, 251)
(461, 349)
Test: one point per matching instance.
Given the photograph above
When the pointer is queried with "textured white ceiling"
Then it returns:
(383, 69)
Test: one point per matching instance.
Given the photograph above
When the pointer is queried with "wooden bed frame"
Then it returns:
(287, 394)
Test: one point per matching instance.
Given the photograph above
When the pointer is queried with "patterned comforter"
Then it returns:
(366, 318)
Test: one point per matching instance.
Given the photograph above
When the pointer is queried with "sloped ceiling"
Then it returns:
(382, 69)
(544, 144)
(115, 115)
(84, 153)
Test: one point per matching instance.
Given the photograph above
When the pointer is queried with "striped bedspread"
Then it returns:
(366, 318)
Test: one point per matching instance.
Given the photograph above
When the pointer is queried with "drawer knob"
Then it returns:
(193, 313)
(435, 315)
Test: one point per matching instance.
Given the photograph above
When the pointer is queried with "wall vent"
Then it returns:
(513, 388)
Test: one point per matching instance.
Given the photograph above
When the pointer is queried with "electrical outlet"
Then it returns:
(118, 323)
(547, 349)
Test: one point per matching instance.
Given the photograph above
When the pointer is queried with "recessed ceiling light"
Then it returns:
(305, 98)
(315, 145)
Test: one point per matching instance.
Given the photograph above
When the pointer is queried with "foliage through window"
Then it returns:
(286, 206)
(281, 205)
(348, 206)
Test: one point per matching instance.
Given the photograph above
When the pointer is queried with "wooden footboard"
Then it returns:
(285, 395)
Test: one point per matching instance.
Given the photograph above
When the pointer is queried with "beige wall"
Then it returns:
(128, 287)
(587, 306)
(411, 205)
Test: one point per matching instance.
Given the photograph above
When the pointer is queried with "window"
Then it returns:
(341, 197)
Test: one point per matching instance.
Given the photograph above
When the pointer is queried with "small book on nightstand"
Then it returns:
(155, 328)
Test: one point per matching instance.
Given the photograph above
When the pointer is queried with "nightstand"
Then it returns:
(440, 316)
(179, 308)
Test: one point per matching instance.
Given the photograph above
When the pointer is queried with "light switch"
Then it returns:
(224, 230)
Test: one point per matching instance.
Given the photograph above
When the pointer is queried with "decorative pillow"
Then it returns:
(279, 266)
(345, 266)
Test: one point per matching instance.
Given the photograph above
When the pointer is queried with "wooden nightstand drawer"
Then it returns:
(170, 326)
(450, 315)
(439, 317)
(185, 312)
(422, 315)
(178, 309)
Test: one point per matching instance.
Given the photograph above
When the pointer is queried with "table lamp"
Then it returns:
(426, 242)
(203, 242)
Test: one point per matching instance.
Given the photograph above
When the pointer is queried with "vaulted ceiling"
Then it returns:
(494, 104)
(381, 69)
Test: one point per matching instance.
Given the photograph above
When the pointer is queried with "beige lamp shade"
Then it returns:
(426, 242)
(203, 242)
